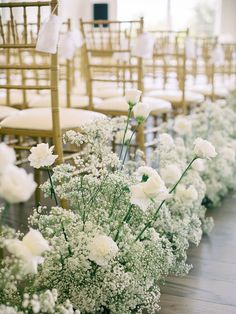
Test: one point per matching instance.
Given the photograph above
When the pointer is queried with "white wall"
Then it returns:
(227, 20)
(83, 8)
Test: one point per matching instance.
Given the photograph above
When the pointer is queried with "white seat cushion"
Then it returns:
(41, 119)
(77, 101)
(6, 111)
(175, 96)
(120, 104)
(219, 91)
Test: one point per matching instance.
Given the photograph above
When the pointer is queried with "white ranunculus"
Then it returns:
(132, 96)
(102, 249)
(41, 156)
(182, 125)
(166, 140)
(171, 174)
(120, 135)
(152, 189)
(35, 242)
(185, 194)
(199, 165)
(141, 111)
(7, 156)
(228, 154)
(16, 185)
(204, 149)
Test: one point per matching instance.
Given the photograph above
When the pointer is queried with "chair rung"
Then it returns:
(34, 87)
(150, 144)
(25, 67)
(151, 130)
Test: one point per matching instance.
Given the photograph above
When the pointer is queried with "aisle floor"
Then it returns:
(210, 287)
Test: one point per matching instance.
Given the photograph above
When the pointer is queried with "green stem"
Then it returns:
(126, 129)
(155, 216)
(128, 145)
(183, 174)
(52, 187)
(56, 202)
(127, 215)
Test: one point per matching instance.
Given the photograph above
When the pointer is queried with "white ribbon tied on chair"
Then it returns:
(67, 46)
(49, 34)
(190, 48)
(218, 56)
(143, 46)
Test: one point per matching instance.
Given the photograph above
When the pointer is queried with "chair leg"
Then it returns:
(141, 138)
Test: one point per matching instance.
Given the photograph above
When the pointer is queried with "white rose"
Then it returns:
(132, 96)
(120, 135)
(152, 189)
(102, 249)
(228, 154)
(182, 125)
(233, 144)
(204, 149)
(166, 140)
(16, 185)
(35, 242)
(171, 174)
(141, 111)
(7, 156)
(17, 248)
(185, 194)
(41, 156)
(145, 171)
(199, 165)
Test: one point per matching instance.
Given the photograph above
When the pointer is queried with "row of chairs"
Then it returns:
(98, 75)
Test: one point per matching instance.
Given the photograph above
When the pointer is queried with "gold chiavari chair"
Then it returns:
(206, 69)
(37, 123)
(167, 68)
(6, 102)
(228, 69)
(112, 70)
(68, 97)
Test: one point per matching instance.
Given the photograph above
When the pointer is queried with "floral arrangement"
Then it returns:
(127, 225)
(215, 122)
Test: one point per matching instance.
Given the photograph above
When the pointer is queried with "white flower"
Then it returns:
(7, 156)
(16, 185)
(132, 96)
(228, 154)
(166, 140)
(182, 125)
(102, 249)
(35, 242)
(141, 111)
(204, 149)
(120, 135)
(186, 195)
(41, 156)
(171, 174)
(29, 250)
(152, 189)
(145, 171)
(199, 165)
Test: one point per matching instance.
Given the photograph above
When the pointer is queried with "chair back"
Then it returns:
(21, 38)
